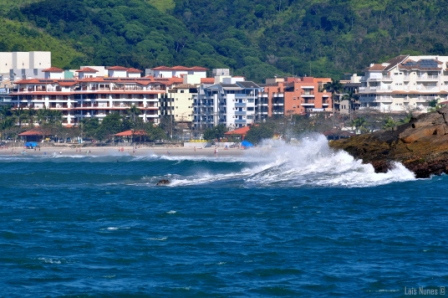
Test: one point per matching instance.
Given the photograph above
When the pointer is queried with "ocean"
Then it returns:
(287, 220)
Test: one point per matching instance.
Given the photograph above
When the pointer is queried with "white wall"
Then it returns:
(230, 110)
(20, 60)
(5, 62)
(40, 60)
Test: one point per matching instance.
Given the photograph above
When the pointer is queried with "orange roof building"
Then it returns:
(91, 96)
(295, 96)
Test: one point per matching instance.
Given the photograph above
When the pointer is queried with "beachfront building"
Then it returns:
(229, 101)
(405, 83)
(293, 96)
(177, 102)
(93, 96)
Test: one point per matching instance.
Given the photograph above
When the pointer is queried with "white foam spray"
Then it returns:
(309, 162)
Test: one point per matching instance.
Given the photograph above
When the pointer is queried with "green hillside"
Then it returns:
(257, 39)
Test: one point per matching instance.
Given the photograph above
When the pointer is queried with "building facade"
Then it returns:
(92, 96)
(231, 102)
(295, 96)
(22, 65)
(405, 83)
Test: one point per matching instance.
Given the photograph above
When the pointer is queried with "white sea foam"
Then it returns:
(50, 260)
(158, 239)
(310, 162)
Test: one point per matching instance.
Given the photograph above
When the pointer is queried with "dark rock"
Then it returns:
(163, 182)
(420, 145)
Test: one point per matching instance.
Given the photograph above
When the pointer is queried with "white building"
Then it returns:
(231, 102)
(92, 95)
(176, 71)
(21, 65)
(405, 83)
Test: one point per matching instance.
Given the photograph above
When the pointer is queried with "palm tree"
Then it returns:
(352, 98)
(41, 116)
(335, 87)
(20, 115)
(133, 112)
(31, 113)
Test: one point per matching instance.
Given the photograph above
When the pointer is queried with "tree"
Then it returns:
(90, 126)
(155, 132)
(133, 113)
(110, 125)
(389, 123)
(360, 123)
(260, 132)
(215, 133)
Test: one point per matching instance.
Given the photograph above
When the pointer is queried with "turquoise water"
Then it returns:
(285, 221)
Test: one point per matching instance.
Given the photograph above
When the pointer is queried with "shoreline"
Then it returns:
(121, 151)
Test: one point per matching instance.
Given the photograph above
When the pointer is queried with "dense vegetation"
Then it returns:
(258, 39)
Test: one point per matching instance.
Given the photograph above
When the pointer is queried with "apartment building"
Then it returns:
(91, 96)
(178, 103)
(294, 96)
(405, 83)
(230, 101)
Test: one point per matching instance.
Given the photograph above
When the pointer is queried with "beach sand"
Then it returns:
(66, 149)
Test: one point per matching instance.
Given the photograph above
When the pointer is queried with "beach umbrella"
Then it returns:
(246, 144)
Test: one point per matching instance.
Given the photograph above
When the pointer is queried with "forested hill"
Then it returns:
(255, 38)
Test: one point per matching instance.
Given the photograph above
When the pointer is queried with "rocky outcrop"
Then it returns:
(420, 145)
(163, 182)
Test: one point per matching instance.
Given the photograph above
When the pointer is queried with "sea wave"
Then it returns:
(308, 162)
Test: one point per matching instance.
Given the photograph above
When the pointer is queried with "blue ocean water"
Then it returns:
(284, 220)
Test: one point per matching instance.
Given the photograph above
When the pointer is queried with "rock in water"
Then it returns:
(163, 182)
(420, 145)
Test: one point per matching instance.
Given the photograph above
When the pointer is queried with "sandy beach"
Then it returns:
(67, 149)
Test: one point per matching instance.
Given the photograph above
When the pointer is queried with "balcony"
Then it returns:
(427, 78)
(240, 105)
(278, 103)
(307, 94)
(240, 113)
(308, 103)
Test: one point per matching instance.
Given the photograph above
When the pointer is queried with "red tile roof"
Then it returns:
(53, 69)
(67, 84)
(117, 68)
(34, 132)
(131, 132)
(239, 131)
(134, 70)
(207, 80)
(87, 69)
(377, 67)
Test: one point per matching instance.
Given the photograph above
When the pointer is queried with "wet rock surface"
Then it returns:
(420, 145)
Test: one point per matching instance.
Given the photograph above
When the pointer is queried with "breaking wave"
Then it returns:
(308, 162)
